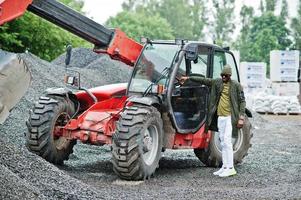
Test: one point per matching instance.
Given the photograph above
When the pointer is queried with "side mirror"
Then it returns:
(192, 52)
(71, 80)
(68, 55)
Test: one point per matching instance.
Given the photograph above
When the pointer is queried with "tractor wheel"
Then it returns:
(137, 143)
(48, 114)
(212, 156)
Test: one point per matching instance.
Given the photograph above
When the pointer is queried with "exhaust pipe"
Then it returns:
(15, 79)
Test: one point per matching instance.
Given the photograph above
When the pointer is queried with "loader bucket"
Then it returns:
(15, 79)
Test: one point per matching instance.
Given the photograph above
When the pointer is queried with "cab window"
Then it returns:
(220, 60)
(198, 66)
(231, 62)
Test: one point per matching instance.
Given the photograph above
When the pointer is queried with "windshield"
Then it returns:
(152, 66)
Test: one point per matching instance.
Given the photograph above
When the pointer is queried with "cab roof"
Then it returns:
(187, 42)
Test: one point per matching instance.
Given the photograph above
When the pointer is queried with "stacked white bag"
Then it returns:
(261, 102)
(294, 106)
(276, 104)
(279, 104)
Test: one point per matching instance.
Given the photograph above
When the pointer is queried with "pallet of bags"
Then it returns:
(294, 106)
(279, 105)
(272, 104)
(261, 103)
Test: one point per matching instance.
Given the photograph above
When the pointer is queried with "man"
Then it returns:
(227, 106)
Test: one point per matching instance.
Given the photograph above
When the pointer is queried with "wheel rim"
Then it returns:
(150, 144)
(59, 141)
(236, 141)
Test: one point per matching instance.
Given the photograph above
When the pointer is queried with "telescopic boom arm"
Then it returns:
(110, 41)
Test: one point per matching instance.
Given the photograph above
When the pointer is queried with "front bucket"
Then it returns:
(15, 79)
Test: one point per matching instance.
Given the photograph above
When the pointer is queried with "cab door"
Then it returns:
(189, 101)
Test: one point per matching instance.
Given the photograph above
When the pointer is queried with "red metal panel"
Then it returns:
(97, 124)
(101, 93)
(198, 140)
(104, 92)
(11, 9)
(123, 48)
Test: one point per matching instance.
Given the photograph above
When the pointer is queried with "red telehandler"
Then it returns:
(139, 119)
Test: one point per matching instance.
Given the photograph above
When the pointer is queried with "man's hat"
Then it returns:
(227, 70)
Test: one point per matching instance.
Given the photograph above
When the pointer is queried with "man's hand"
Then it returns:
(240, 122)
(183, 79)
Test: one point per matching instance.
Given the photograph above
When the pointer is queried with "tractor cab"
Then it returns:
(189, 102)
(159, 68)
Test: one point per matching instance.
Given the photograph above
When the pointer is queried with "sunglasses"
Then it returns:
(225, 75)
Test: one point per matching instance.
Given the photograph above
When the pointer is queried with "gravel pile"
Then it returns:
(80, 57)
(25, 175)
(101, 68)
(46, 75)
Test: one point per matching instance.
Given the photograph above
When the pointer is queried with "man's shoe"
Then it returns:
(219, 171)
(228, 172)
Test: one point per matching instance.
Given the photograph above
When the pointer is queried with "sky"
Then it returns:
(101, 10)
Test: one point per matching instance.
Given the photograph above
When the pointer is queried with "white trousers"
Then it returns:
(225, 135)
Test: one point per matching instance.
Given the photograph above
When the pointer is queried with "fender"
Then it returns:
(149, 101)
(58, 91)
(63, 92)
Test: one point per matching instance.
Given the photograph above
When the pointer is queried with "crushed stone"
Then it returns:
(23, 174)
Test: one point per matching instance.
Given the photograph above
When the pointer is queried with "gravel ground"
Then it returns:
(270, 171)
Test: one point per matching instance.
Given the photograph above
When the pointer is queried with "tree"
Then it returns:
(198, 19)
(222, 25)
(296, 27)
(178, 14)
(74, 4)
(276, 24)
(284, 9)
(186, 17)
(270, 5)
(131, 5)
(38, 36)
(261, 7)
(247, 16)
(267, 32)
(136, 25)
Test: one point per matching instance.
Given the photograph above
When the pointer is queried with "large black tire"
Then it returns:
(48, 112)
(212, 155)
(137, 143)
